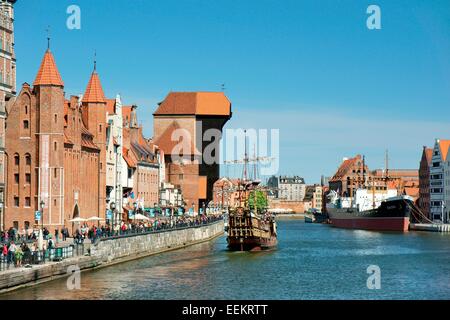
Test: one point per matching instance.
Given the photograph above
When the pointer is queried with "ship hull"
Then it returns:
(251, 243)
(390, 216)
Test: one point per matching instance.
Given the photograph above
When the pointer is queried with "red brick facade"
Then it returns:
(49, 154)
(194, 112)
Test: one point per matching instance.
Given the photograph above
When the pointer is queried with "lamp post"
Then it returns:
(112, 206)
(135, 211)
(443, 215)
(42, 205)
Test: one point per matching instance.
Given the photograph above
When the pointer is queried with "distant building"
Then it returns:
(291, 188)
(325, 181)
(272, 185)
(308, 199)
(226, 193)
(317, 198)
(353, 174)
(350, 175)
(424, 181)
(437, 179)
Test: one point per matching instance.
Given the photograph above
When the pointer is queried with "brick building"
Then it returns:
(7, 85)
(349, 176)
(191, 114)
(226, 193)
(49, 152)
(142, 158)
(353, 173)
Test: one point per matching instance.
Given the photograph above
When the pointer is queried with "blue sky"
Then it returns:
(309, 68)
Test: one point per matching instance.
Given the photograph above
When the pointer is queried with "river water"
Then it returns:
(311, 262)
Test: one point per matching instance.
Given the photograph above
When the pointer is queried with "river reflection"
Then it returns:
(311, 262)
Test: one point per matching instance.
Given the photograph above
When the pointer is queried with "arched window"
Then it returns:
(16, 160)
(28, 159)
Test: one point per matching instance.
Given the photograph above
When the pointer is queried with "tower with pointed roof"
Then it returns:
(94, 116)
(49, 91)
(35, 149)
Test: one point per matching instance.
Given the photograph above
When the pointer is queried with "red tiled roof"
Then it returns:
(94, 91)
(195, 103)
(48, 73)
(86, 139)
(110, 106)
(344, 168)
(126, 113)
(444, 145)
(128, 158)
(429, 154)
(66, 139)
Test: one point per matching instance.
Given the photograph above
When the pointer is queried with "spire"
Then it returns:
(94, 91)
(48, 38)
(48, 73)
(95, 61)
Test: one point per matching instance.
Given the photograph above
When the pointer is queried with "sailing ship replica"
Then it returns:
(248, 228)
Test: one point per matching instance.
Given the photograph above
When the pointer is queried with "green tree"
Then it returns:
(261, 200)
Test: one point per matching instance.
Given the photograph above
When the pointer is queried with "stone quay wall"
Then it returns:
(108, 252)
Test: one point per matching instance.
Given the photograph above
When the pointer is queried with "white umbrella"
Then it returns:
(78, 220)
(141, 217)
(95, 219)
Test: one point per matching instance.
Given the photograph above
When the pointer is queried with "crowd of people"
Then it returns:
(28, 252)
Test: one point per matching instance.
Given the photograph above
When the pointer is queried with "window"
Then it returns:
(28, 160)
(56, 146)
(16, 178)
(16, 201)
(27, 225)
(16, 160)
(28, 178)
(27, 202)
(16, 225)
(55, 173)
(56, 118)
(436, 164)
(26, 109)
(26, 124)
(180, 176)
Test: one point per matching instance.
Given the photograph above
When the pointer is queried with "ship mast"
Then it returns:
(245, 157)
(386, 169)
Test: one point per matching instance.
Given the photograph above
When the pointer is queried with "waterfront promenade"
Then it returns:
(109, 249)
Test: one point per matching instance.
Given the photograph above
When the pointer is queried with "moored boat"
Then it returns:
(392, 213)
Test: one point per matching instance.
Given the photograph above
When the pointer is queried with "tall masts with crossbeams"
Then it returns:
(247, 160)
